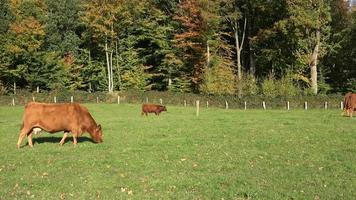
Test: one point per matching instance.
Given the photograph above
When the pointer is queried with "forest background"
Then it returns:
(236, 47)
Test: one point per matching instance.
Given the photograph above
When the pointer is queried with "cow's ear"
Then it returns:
(99, 127)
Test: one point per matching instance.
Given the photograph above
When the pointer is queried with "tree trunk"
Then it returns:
(208, 53)
(108, 65)
(252, 63)
(313, 65)
(239, 47)
(111, 72)
(117, 66)
(238, 54)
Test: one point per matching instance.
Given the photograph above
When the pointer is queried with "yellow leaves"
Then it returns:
(27, 32)
(29, 26)
(100, 17)
(126, 190)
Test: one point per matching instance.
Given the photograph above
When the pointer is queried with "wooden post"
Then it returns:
(55, 99)
(287, 105)
(161, 101)
(245, 105)
(97, 99)
(38, 89)
(207, 104)
(146, 99)
(226, 105)
(185, 103)
(71, 99)
(341, 105)
(306, 105)
(264, 105)
(326, 105)
(33, 99)
(13, 101)
(197, 104)
(118, 99)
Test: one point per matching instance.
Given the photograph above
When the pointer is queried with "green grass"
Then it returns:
(222, 154)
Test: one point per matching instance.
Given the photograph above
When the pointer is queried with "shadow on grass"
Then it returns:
(40, 140)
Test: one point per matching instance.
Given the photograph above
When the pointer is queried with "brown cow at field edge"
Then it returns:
(67, 117)
(346, 104)
(152, 108)
(350, 103)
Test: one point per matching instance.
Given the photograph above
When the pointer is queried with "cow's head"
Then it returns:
(97, 135)
(163, 108)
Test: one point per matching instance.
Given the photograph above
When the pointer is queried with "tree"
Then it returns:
(28, 64)
(63, 26)
(100, 17)
(309, 23)
(189, 39)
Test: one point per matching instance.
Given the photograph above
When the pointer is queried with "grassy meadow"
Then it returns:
(222, 154)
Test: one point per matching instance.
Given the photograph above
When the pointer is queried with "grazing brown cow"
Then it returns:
(67, 117)
(152, 108)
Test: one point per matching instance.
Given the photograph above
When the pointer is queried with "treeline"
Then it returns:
(242, 47)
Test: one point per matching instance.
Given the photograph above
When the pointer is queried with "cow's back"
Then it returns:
(53, 117)
(149, 107)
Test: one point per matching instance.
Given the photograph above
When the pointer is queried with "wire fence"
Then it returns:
(178, 99)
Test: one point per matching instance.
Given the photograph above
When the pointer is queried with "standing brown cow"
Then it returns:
(67, 117)
(350, 103)
(152, 108)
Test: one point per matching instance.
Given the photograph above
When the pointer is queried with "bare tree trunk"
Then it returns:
(239, 47)
(117, 65)
(111, 73)
(252, 63)
(108, 64)
(208, 53)
(314, 63)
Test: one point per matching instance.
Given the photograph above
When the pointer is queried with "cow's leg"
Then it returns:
(23, 133)
(75, 139)
(63, 138)
(351, 111)
(29, 138)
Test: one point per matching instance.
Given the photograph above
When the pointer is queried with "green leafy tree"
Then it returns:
(219, 79)
(63, 26)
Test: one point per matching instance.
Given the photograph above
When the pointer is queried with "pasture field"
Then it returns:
(222, 154)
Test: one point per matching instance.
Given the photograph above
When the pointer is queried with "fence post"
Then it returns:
(33, 99)
(14, 87)
(146, 99)
(71, 99)
(306, 105)
(38, 89)
(245, 105)
(287, 105)
(13, 101)
(207, 104)
(326, 105)
(341, 105)
(55, 99)
(161, 101)
(197, 104)
(185, 103)
(226, 105)
(97, 99)
(264, 105)
(118, 99)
